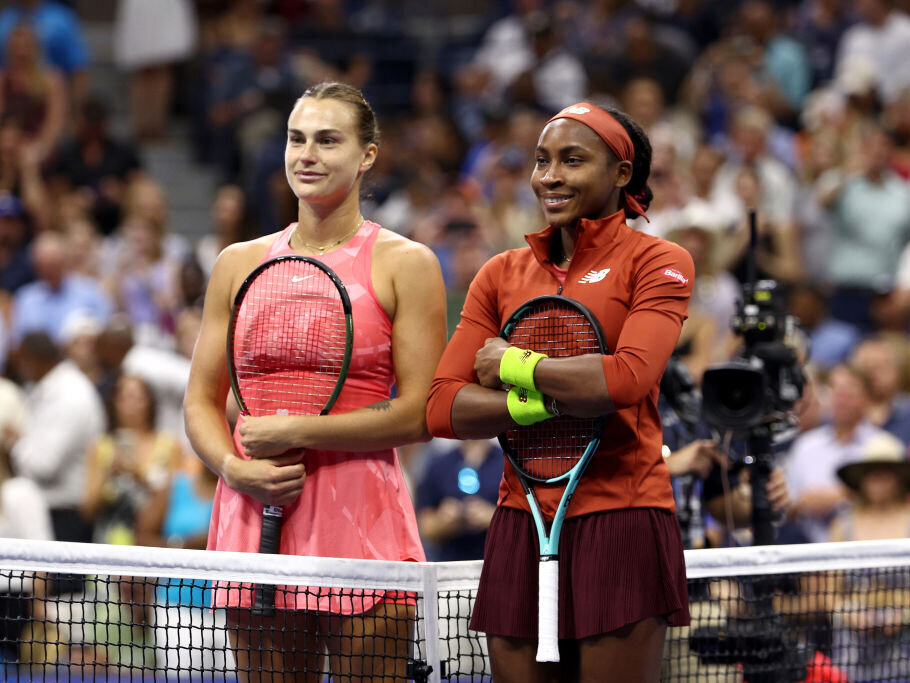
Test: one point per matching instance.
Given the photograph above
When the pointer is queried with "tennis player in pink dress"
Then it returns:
(345, 496)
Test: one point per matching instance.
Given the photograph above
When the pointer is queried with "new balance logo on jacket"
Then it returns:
(594, 276)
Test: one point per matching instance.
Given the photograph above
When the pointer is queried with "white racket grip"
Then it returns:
(548, 611)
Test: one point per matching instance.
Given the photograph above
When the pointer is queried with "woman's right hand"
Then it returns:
(271, 481)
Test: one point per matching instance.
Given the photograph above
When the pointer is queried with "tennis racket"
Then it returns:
(554, 452)
(288, 348)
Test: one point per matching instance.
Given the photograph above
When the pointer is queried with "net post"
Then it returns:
(431, 619)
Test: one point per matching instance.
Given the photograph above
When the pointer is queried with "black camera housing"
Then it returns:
(763, 384)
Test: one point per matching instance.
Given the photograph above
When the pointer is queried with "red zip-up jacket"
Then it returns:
(638, 287)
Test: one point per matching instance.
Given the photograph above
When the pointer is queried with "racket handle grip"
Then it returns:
(269, 544)
(548, 610)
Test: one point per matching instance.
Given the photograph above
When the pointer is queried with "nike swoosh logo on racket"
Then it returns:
(298, 278)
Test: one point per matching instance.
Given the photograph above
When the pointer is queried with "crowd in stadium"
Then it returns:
(799, 109)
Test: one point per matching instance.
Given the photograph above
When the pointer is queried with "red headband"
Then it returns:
(611, 132)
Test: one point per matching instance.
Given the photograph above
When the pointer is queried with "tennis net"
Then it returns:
(79, 612)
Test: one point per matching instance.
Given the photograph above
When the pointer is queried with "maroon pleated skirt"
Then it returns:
(615, 568)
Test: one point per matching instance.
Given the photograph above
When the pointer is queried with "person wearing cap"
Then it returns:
(627, 583)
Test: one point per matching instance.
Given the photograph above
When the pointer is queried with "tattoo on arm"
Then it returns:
(383, 406)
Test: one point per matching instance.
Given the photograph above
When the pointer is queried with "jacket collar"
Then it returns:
(591, 234)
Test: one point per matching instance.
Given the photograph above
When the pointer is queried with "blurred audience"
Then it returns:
(129, 464)
(45, 304)
(456, 498)
(150, 37)
(811, 465)
(889, 407)
(97, 164)
(64, 415)
(59, 33)
(33, 93)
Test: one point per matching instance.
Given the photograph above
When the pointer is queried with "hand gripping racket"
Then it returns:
(554, 452)
(288, 348)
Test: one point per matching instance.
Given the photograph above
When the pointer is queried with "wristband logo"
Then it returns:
(524, 356)
(522, 395)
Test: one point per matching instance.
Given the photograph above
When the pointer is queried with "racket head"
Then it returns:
(289, 338)
(560, 327)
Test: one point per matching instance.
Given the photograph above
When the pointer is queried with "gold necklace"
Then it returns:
(324, 248)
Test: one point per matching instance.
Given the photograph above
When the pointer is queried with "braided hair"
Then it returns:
(641, 167)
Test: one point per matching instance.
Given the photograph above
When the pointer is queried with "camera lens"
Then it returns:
(733, 396)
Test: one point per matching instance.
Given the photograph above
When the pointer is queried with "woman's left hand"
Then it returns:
(486, 362)
(266, 437)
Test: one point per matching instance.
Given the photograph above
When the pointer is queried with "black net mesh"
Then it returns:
(815, 624)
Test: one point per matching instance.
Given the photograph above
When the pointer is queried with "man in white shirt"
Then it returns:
(64, 416)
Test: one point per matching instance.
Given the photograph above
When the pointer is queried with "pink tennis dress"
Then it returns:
(353, 505)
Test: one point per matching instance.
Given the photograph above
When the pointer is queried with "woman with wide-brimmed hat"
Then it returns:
(870, 610)
(880, 482)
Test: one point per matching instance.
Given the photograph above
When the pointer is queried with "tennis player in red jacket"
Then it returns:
(622, 572)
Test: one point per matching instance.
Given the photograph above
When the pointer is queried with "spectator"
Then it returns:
(643, 99)
(45, 304)
(230, 223)
(15, 264)
(248, 97)
(128, 464)
(94, 161)
(871, 614)
(870, 211)
(80, 343)
(60, 34)
(715, 294)
(811, 465)
(883, 38)
(84, 246)
(785, 65)
(819, 26)
(166, 371)
(64, 415)
(23, 514)
(456, 498)
(750, 130)
(178, 517)
(879, 482)
(150, 37)
(644, 50)
(20, 174)
(32, 93)
(510, 213)
(503, 54)
(889, 407)
(554, 78)
(144, 283)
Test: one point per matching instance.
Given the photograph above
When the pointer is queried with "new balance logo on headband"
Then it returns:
(594, 276)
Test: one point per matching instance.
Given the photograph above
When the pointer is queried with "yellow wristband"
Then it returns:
(517, 367)
(527, 406)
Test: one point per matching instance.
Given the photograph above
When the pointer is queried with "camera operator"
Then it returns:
(704, 476)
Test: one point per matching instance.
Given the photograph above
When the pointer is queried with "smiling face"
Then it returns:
(576, 175)
(324, 157)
